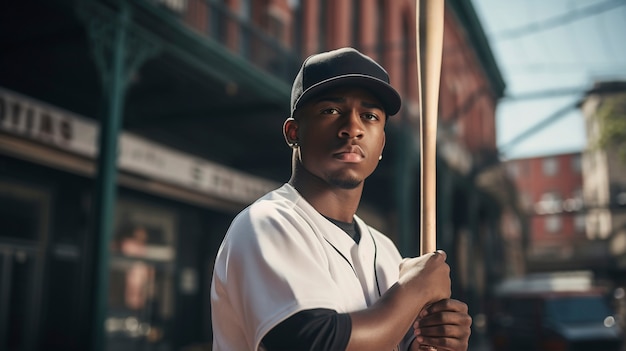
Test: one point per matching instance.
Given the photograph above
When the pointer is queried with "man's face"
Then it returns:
(341, 136)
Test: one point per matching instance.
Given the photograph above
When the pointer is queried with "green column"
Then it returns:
(119, 48)
(404, 185)
(105, 195)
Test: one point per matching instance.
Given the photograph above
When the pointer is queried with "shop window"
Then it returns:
(141, 292)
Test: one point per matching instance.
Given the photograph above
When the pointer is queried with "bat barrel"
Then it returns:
(429, 15)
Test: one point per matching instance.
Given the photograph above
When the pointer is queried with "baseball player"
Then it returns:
(297, 269)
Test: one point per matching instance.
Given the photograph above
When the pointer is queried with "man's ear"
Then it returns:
(290, 131)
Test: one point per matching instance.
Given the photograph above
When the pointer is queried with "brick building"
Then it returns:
(131, 133)
(550, 189)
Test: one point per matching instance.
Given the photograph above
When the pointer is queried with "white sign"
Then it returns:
(32, 119)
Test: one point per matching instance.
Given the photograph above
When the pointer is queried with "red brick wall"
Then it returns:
(467, 102)
(532, 181)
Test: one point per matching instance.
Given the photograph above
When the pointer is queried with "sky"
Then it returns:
(556, 46)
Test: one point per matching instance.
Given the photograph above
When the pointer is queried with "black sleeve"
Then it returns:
(315, 329)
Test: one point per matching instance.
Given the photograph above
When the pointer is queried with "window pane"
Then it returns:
(21, 211)
(550, 166)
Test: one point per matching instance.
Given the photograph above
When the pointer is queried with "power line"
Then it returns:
(559, 20)
(567, 67)
(544, 94)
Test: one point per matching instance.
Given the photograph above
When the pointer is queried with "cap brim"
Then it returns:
(387, 95)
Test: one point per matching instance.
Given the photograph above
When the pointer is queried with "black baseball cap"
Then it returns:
(340, 67)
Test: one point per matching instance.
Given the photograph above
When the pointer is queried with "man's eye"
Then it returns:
(370, 116)
(330, 111)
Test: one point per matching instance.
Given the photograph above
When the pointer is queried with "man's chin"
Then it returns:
(347, 183)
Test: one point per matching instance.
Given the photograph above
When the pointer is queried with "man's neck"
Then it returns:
(333, 202)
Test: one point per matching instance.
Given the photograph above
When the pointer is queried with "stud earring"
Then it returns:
(380, 157)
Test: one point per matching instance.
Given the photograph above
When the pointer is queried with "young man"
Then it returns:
(298, 270)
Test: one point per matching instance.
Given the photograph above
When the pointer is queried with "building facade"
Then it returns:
(132, 132)
(551, 194)
(605, 172)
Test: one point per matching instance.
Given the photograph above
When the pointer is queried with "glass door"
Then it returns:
(23, 231)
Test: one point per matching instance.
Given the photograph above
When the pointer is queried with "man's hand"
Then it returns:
(427, 275)
(445, 325)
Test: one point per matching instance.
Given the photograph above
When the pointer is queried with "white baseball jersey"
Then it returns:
(280, 256)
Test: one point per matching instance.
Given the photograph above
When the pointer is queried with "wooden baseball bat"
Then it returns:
(429, 36)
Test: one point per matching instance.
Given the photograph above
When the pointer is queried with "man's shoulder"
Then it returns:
(279, 215)
(283, 202)
(283, 199)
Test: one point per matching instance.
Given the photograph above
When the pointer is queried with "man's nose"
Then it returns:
(352, 126)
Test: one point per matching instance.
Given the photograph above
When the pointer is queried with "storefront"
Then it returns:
(172, 212)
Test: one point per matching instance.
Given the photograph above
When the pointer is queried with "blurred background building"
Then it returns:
(604, 173)
(575, 204)
(551, 195)
(131, 133)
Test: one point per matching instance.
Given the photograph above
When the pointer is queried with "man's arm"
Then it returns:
(423, 281)
(315, 329)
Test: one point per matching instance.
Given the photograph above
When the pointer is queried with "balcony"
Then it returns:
(235, 33)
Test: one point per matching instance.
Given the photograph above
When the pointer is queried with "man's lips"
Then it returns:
(351, 154)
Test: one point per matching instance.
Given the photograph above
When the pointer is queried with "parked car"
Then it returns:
(571, 318)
